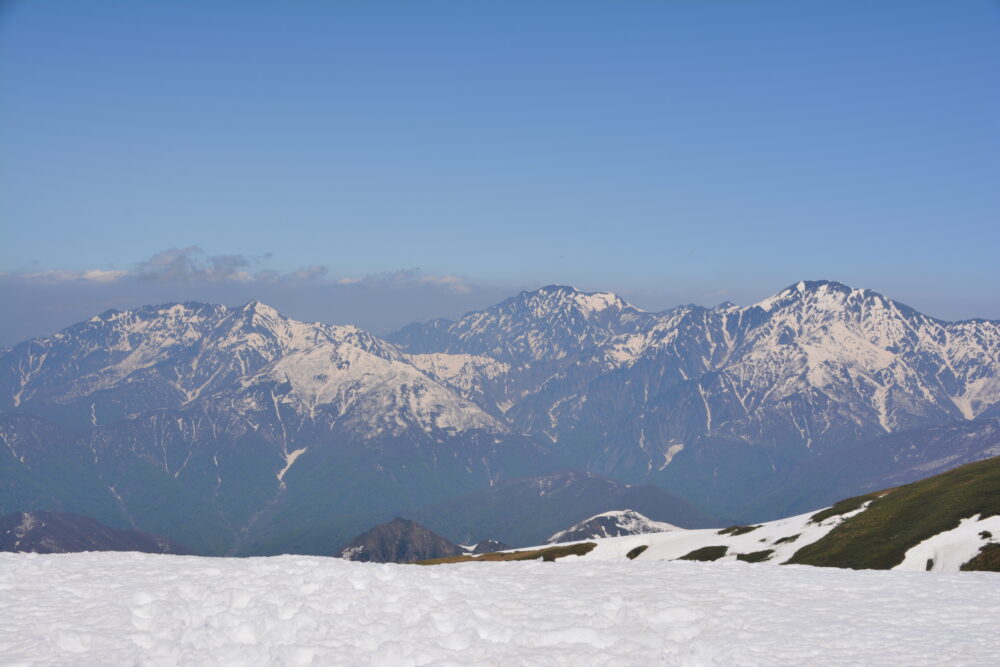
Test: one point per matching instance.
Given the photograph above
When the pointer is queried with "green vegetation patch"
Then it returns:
(755, 556)
(879, 537)
(845, 506)
(738, 530)
(706, 553)
(547, 554)
(632, 555)
(790, 538)
(987, 560)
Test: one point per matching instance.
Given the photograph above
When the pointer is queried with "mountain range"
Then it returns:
(227, 428)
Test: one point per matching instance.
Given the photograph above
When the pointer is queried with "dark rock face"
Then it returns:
(56, 532)
(490, 546)
(399, 541)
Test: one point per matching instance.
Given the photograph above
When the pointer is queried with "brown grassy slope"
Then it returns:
(547, 554)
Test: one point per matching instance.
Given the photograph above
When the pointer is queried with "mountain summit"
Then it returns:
(611, 524)
(399, 541)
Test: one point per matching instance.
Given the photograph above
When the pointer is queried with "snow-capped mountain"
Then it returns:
(121, 363)
(549, 324)
(702, 397)
(611, 524)
(219, 426)
(553, 334)
(257, 418)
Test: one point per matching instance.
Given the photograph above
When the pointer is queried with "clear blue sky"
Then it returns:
(676, 151)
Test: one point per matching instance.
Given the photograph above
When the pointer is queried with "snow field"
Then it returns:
(115, 608)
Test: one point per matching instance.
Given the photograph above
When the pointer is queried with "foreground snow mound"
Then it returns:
(115, 608)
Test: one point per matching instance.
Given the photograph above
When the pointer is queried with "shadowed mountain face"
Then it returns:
(224, 428)
(56, 533)
(399, 541)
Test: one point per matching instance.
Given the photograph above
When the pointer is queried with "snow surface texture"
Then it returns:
(115, 608)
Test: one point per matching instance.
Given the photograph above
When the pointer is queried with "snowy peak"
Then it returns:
(817, 294)
(564, 302)
(553, 324)
(857, 346)
(563, 297)
(611, 524)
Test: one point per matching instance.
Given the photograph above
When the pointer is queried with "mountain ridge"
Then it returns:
(254, 415)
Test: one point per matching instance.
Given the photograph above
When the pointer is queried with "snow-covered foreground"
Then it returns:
(126, 608)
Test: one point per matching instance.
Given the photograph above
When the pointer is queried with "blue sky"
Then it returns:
(670, 151)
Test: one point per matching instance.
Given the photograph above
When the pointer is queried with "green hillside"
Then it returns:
(879, 537)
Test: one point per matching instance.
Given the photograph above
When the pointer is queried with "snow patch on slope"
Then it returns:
(949, 550)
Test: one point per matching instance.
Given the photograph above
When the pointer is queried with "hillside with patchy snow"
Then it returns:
(944, 523)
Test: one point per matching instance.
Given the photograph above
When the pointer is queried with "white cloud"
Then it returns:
(43, 301)
(101, 276)
(56, 277)
(192, 265)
